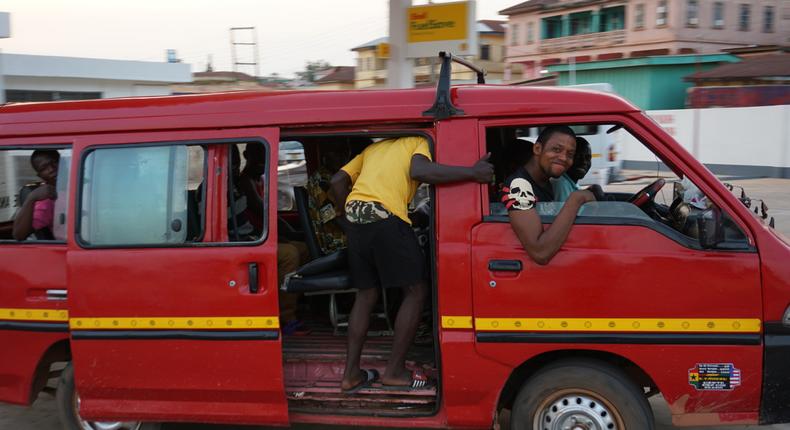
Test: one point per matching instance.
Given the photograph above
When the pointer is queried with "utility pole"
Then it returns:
(400, 73)
(252, 33)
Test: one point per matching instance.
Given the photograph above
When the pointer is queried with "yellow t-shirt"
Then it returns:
(381, 173)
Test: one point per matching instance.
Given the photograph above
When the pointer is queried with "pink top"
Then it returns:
(43, 213)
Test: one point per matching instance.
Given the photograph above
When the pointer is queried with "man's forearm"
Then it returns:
(550, 240)
(435, 173)
(23, 222)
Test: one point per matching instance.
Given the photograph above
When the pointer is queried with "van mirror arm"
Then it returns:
(443, 105)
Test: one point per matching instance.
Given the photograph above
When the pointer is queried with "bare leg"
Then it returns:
(405, 329)
(358, 323)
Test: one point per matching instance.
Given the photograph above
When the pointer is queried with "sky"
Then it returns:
(289, 32)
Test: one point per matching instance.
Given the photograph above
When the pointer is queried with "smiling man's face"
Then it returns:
(555, 156)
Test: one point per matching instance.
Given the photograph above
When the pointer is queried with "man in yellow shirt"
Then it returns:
(376, 187)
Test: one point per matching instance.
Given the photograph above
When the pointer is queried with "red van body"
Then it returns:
(143, 327)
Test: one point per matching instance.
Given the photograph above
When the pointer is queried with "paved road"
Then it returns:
(776, 192)
(43, 416)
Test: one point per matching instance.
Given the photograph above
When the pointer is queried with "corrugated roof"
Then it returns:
(339, 74)
(527, 6)
(223, 76)
(491, 26)
(751, 67)
(372, 44)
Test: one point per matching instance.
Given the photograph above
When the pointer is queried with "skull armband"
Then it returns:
(519, 195)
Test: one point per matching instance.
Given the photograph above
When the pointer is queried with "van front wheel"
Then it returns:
(68, 401)
(581, 395)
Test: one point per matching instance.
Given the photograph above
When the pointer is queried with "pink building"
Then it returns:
(546, 32)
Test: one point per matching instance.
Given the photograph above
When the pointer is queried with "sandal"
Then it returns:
(419, 381)
(369, 376)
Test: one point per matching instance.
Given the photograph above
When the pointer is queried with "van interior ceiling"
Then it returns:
(314, 357)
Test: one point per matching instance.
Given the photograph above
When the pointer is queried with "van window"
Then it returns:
(141, 195)
(675, 209)
(46, 218)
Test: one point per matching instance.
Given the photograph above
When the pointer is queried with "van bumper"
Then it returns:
(775, 405)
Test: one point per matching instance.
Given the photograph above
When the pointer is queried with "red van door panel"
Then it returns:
(178, 334)
(33, 314)
(631, 291)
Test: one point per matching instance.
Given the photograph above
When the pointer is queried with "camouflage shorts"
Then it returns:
(359, 212)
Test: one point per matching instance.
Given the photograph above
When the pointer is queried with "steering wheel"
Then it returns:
(647, 193)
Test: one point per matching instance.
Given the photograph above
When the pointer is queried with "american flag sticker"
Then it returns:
(714, 376)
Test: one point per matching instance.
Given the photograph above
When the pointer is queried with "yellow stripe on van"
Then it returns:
(15, 314)
(176, 323)
(706, 325)
(457, 322)
(596, 155)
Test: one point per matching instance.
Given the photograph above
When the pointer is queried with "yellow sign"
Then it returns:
(383, 50)
(438, 22)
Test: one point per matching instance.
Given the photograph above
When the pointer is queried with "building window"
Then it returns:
(662, 13)
(530, 32)
(744, 17)
(692, 13)
(485, 52)
(612, 18)
(639, 17)
(768, 19)
(514, 35)
(552, 27)
(718, 14)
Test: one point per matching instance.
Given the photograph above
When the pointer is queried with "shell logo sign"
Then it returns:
(441, 27)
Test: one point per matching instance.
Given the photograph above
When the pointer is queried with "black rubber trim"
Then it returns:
(655, 226)
(623, 338)
(34, 326)
(175, 334)
(776, 375)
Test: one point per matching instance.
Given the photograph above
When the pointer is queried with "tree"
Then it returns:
(310, 68)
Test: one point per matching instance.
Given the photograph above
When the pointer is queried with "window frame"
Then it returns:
(639, 16)
(662, 13)
(722, 7)
(644, 136)
(744, 11)
(692, 13)
(69, 212)
(206, 143)
(772, 22)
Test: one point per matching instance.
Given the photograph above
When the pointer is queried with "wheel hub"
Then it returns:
(576, 412)
(101, 425)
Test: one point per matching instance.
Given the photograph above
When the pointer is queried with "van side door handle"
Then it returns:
(504, 265)
(253, 275)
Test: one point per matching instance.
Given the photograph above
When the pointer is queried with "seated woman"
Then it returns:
(37, 212)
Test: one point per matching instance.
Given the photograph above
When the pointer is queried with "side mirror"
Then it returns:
(710, 228)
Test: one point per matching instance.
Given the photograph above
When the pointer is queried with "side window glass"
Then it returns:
(34, 186)
(133, 196)
(642, 190)
(291, 172)
(247, 191)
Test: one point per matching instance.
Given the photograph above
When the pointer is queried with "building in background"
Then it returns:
(212, 82)
(371, 69)
(35, 78)
(335, 78)
(761, 80)
(649, 82)
(541, 33)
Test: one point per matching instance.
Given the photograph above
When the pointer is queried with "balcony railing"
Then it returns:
(582, 41)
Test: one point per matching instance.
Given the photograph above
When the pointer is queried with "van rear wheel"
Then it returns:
(581, 395)
(68, 401)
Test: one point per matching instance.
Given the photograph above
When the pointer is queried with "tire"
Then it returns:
(67, 401)
(596, 395)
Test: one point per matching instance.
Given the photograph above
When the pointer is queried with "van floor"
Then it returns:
(313, 368)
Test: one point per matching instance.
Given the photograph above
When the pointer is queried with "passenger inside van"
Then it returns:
(568, 181)
(384, 252)
(37, 212)
(552, 156)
